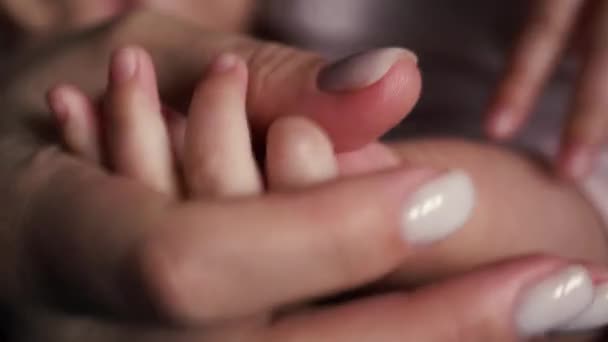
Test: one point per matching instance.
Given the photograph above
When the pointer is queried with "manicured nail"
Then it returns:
(224, 63)
(361, 70)
(124, 65)
(554, 301)
(576, 161)
(439, 208)
(595, 316)
(503, 125)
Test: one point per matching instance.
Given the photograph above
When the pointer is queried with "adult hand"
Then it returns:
(553, 26)
(510, 301)
(76, 235)
(104, 227)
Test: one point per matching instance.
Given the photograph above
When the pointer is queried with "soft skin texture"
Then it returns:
(40, 19)
(521, 209)
(352, 119)
(578, 235)
(474, 307)
(526, 227)
(554, 27)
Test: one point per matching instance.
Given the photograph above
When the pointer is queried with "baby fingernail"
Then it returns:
(361, 70)
(595, 316)
(439, 208)
(554, 301)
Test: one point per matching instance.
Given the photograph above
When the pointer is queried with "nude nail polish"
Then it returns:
(554, 301)
(595, 316)
(361, 70)
(439, 208)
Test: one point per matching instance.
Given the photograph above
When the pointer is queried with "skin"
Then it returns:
(377, 108)
(39, 19)
(553, 28)
(501, 281)
(522, 208)
(515, 189)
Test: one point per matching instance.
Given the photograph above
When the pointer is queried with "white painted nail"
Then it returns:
(554, 301)
(361, 70)
(595, 316)
(439, 209)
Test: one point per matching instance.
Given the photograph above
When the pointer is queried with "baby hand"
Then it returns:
(209, 152)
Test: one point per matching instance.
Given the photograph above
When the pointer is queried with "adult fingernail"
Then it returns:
(595, 316)
(576, 161)
(124, 65)
(554, 301)
(439, 208)
(503, 125)
(361, 70)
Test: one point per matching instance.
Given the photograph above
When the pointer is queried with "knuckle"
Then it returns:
(160, 282)
(166, 281)
(350, 253)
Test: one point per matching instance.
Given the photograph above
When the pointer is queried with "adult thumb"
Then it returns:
(356, 99)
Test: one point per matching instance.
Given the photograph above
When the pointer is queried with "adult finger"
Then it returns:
(204, 261)
(489, 305)
(324, 231)
(511, 301)
(539, 49)
(587, 126)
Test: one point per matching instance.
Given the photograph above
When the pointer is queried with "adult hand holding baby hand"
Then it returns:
(207, 260)
(106, 231)
(108, 237)
(553, 26)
